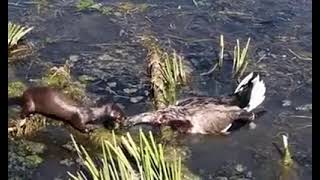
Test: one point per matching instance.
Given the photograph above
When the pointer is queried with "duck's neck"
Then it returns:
(98, 112)
(148, 117)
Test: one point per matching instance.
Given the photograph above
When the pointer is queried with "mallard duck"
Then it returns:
(209, 115)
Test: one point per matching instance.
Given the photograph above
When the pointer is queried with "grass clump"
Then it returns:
(287, 159)
(166, 71)
(240, 61)
(173, 76)
(129, 160)
(15, 34)
(289, 169)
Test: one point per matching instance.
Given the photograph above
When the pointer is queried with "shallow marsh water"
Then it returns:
(106, 49)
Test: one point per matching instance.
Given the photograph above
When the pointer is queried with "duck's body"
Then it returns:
(209, 115)
(206, 119)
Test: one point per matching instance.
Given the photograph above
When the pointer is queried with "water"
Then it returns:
(106, 48)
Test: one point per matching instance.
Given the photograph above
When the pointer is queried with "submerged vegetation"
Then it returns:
(129, 160)
(122, 7)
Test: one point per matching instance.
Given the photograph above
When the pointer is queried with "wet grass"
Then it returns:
(240, 60)
(287, 159)
(220, 62)
(173, 76)
(130, 160)
(289, 168)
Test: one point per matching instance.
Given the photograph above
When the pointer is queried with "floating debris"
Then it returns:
(136, 99)
(220, 178)
(240, 168)
(130, 90)
(306, 107)
(112, 84)
(286, 103)
(67, 162)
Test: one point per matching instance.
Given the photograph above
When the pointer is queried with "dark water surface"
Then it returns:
(106, 48)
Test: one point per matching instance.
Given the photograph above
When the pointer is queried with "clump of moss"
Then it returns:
(23, 158)
(85, 4)
(16, 88)
(60, 77)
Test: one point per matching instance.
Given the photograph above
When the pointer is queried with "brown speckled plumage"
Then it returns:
(205, 119)
(209, 115)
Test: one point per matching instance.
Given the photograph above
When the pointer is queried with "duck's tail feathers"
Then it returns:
(257, 94)
(244, 82)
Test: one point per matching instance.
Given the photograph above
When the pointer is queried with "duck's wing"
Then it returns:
(214, 119)
(196, 101)
(183, 126)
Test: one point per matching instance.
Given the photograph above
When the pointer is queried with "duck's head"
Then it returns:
(113, 111)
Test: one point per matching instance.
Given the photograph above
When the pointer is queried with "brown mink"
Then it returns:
(52, 103)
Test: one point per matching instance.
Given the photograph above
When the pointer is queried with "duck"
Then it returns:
(209, 115)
